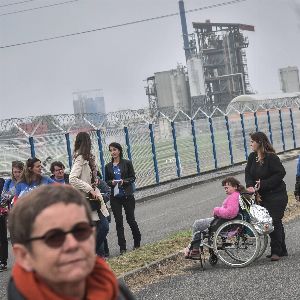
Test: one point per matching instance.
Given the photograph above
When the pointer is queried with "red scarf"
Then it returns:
(100, 284)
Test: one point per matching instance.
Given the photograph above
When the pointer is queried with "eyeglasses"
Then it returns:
(55, 238)
(58, 170)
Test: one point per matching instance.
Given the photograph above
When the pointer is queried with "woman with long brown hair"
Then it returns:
(264, 173)
(83, 176)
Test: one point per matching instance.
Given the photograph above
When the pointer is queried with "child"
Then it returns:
(229, 210)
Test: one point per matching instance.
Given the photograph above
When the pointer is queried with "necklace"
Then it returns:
(258, 160)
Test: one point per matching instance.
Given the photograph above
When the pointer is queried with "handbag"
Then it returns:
(258, 215)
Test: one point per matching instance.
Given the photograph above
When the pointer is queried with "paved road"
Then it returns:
(163, 216)
(263, 279)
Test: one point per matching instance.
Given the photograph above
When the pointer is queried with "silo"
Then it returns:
(289, 79)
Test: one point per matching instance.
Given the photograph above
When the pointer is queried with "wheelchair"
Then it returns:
(235, 242)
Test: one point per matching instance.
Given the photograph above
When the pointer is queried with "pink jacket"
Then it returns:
(230, 207)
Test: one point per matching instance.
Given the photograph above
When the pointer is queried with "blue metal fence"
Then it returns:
(160, 148)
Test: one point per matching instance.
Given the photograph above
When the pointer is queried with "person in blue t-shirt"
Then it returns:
(31, 177)
(7, 193)
(120, 177)
(57, 169)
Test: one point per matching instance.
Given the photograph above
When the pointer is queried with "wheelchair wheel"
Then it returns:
(264, 241)
(236, 243)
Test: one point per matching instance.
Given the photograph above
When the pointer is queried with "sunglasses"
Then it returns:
(55, 238)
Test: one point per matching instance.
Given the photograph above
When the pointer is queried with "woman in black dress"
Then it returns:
(265, 171)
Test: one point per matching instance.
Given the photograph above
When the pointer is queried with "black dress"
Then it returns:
(273, 193)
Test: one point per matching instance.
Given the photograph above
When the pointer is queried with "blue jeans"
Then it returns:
(102, 228)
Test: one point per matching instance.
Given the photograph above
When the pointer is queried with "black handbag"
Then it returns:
(95, 204)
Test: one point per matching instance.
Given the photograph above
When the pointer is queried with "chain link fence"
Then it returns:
(161, 148)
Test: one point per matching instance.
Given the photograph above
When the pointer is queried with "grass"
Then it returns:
(172, 244)
(149, 253)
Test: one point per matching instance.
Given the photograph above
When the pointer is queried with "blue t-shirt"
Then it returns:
(23, 188)
(117, 176)
(62, 181)
(9, 186)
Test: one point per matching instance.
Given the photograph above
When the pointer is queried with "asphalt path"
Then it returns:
(162, 216)
(263, 279)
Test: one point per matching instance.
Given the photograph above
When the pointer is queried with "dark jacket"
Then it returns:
(270, 173)
(14, 294)
(127, 174)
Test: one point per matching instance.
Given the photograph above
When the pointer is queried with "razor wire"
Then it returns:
(162, 146)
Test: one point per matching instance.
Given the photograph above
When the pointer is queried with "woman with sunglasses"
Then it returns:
(54, 255)
(7, 195)
(31, 178)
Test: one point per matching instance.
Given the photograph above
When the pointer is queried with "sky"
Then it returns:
(39, 78)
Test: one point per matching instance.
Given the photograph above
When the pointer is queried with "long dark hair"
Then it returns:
(118, 146)
(83, 145)
(16, 164)
(27, 174)
(234, 183)
(261, 138)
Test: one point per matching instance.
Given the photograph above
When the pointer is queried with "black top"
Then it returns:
(1, 185)
(127, 174)
(270, 172)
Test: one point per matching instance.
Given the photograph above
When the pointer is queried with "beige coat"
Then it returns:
(80, 178)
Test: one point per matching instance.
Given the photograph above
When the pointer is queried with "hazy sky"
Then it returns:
(40, 78)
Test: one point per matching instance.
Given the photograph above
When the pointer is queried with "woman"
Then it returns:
(264, 172)
(31, 178)
(7, 194)
(120, 176)
(229, 210)
(83, 176)
(54, 254)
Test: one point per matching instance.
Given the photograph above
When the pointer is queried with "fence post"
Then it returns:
(175, 149)
(31, 142)
(67, 136)
(127, 143)
(229, 139)
(154, 153)
(195, 146)
(270, 127)
(255, 120)
(212, 137)
(101, 153)
(244, 135)
(281, 129)
(293, 128)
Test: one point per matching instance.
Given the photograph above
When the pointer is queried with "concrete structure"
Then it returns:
(289, 79)
(168, 90)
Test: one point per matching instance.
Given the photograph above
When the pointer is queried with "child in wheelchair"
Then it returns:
(229, 210)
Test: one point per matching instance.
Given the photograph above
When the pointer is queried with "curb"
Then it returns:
(149, 267)
(217, 177)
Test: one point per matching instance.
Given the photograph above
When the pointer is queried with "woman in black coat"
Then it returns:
(265, 171)
(120, 176)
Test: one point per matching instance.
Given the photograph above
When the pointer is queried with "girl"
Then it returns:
(31, 178)
(229, 210)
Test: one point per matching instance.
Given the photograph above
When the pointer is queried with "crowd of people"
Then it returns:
(68, 253)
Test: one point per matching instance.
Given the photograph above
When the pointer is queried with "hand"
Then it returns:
(114, 182)
(257, 186)
(121, 182)
(297, 198)
(251, 189)
(93, 194)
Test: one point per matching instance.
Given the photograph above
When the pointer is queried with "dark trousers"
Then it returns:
(128, 203)
(102, 228)
(276, 211)
(3, 240)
